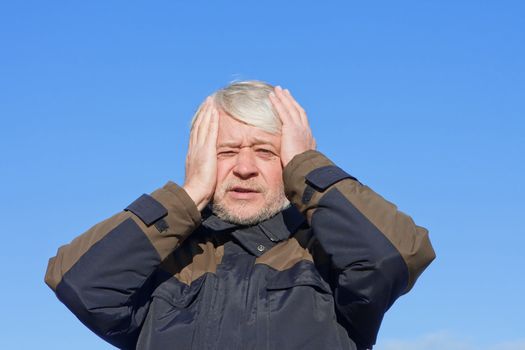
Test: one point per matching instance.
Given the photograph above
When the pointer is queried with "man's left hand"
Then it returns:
(296, 135)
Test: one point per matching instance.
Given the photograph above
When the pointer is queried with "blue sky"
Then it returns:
(424, 101)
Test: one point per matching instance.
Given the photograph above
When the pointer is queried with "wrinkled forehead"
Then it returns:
(234, 133)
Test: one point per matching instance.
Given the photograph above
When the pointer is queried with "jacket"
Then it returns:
(319, 275)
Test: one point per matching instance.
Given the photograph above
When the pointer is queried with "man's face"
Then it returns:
(249, 173)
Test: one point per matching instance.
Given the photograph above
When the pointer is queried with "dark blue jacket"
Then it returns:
(319, 275)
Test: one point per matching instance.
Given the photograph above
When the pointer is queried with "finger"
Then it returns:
(203, 123)
(214, 127)
(215, 120)
(198, 118)
(299, 109)
(205, 127)
(197, 122)
(210, 115)
(280, 108)
(304, 119)
(286, 101)
(279, 105)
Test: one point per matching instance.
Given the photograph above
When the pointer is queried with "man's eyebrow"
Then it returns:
(235, 144)
(261, 141)
(231, 144)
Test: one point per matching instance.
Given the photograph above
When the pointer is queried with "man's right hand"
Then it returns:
(201, 160)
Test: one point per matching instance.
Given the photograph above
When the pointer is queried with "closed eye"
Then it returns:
(228, 153)
(265, 153)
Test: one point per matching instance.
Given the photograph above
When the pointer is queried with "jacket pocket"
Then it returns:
(302, 274)
(300, 287)
(172, 315)
(300, 310)
(178, 294)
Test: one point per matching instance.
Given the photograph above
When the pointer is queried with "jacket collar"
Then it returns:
(258, 239)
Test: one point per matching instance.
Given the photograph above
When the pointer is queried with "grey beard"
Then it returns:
(264, 214)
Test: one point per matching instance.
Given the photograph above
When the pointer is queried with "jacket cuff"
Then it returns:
(173, 214)
(307, 176)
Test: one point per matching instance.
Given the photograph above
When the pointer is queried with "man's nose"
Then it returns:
(245, 167)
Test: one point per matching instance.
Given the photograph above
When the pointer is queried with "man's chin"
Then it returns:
(243, 213)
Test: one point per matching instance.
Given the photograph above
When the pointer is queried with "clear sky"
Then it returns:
(424, 101)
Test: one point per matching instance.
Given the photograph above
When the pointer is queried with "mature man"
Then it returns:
(227, 262)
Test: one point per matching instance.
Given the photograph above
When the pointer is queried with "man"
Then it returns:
(227, 262)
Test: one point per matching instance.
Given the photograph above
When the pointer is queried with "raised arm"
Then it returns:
(106, 275)
(376, 251)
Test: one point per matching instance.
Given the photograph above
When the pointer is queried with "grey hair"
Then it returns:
(248, 102)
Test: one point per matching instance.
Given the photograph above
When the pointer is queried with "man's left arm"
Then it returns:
(376, 251)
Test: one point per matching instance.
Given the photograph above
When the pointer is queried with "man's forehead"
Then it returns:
(254, 140)
(234, 133)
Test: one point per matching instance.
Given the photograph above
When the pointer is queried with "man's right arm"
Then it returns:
(105, 276)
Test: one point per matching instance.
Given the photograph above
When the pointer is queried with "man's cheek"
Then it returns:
(217, 195)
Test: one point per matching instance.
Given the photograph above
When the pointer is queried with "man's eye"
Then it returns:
(265, 152)
(226, 153)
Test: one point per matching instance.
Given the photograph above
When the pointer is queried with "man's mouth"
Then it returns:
(240, 189)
